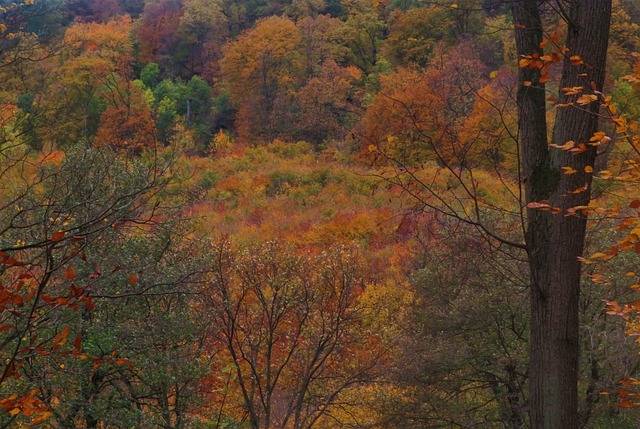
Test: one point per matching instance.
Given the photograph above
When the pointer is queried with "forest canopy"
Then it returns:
(297, 214)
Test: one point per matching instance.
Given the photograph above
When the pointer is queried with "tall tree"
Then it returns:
(261, 68)
(294, 331)
(554, 242)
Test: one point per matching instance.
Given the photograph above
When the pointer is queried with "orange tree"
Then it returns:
(293, 331)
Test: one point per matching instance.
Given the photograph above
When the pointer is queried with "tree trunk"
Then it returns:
(555, 241)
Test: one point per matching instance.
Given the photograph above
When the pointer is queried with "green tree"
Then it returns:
(69, 203)
(202, 32)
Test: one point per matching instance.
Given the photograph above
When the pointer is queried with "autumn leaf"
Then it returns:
(573, 90)
(576, 60)
(581, 148)
(58, 236)
(70, 273)
(568, 145)
(585, 99)
(581, 189)
(133, 279)
(61, 338)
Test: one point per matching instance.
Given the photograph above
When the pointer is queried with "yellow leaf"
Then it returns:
(568, 145)
(585, 99)
(573, 90)
(493, 74)
(576, 60)
(569, 170)
(580, 189)
(588, 169)
(454, 6)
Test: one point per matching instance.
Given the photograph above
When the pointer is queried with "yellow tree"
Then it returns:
(261, 69)
(95, 54)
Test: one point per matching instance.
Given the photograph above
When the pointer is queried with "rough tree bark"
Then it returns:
(555, 241)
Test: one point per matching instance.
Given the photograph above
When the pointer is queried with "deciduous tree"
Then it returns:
(293, 329)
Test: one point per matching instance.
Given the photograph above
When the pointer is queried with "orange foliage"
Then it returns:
(406, 121)
(127, 123)
(110, 41)
(157, 31)
(261, 68)
(324, 99)
(8, 112)
(487, 138)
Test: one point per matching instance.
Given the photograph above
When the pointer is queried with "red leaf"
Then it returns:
(634, 204)
(77, 344)
(133, 279)
(17, 300)
(89, 303)
(70, 273)
(58, 236)
(626, 404)
(61, 338)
